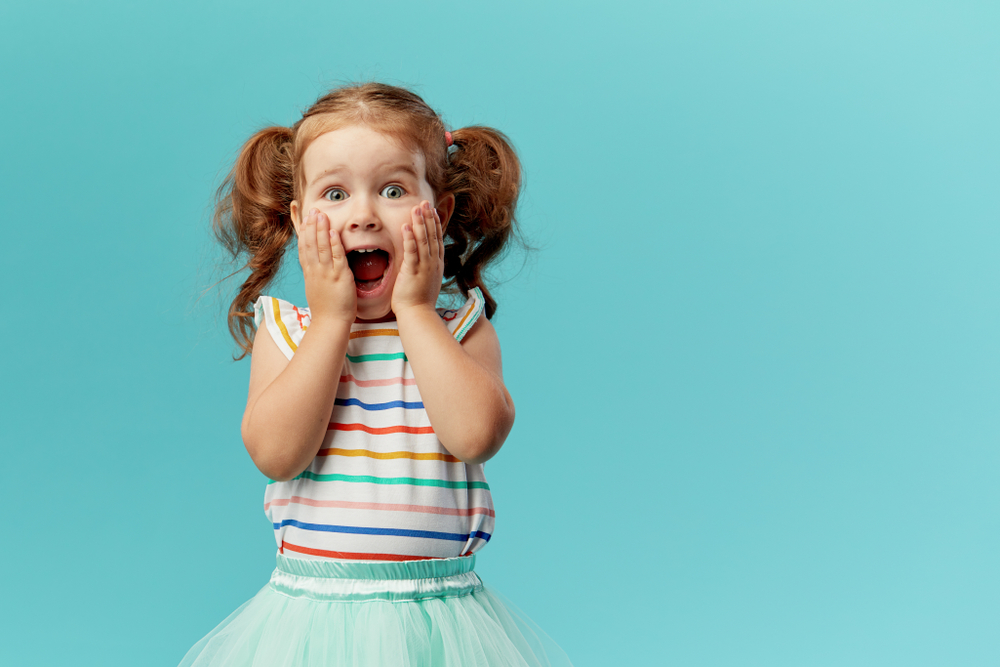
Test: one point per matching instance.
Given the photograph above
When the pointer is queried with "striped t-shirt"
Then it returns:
(382, 487)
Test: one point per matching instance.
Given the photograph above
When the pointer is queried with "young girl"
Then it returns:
(372, 411)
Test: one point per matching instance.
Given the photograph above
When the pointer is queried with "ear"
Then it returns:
(445, 207)
(296, 215)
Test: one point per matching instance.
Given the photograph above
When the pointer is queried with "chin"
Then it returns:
(375, 313)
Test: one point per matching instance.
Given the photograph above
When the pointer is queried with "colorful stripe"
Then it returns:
(381, 430)
(381, 507)
(406, 405)
(356, 359)
(392, 532)
(374, 332)
(371, 479)
(406, 382)
(464, 317)
(347, 555)
(397, 505)
(430, 456)
(281, 325)
(471, 315)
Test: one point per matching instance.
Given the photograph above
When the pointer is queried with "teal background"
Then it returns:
(754, 355)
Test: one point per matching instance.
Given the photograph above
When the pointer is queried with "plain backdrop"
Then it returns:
(754, 352)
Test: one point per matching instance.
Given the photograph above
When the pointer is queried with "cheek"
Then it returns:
(334, 213)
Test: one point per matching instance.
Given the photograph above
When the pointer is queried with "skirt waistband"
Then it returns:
(362, 581)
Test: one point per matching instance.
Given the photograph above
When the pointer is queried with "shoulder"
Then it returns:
(279, 332)
(475, 332)
(285, 322)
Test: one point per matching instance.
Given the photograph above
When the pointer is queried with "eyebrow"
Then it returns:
(387, 168)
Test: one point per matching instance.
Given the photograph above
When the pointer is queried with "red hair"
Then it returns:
(252, 218)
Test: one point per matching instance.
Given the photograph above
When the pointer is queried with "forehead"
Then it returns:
(359, 149)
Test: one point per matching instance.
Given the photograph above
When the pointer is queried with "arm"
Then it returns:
(461, 384)
(290, 402)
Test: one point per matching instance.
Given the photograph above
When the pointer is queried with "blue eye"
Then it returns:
(392, 192)
(335, 194)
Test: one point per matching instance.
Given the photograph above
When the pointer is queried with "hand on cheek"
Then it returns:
(330, 288)
(419, 280)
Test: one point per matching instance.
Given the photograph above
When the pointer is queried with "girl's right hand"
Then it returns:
(330, 288)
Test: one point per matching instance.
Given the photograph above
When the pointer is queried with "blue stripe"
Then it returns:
(398, 532)
(406, 405)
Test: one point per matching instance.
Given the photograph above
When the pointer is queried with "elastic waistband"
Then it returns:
(361, 581)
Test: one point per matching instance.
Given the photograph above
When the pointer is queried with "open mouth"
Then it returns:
(369, 266)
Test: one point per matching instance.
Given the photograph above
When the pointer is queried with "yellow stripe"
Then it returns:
(281, 325)
(387, 455)
(465, 317)
(374, 332)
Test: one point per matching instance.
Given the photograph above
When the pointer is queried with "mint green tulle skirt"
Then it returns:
(428, 613)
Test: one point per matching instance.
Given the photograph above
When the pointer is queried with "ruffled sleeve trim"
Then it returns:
(460, 321)
(285, 322)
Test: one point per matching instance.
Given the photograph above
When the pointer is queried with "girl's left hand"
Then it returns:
(419, 279)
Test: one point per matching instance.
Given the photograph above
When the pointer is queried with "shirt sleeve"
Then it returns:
(285, 322)
(461, 320)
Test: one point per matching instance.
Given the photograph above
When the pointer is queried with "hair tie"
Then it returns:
(447, 138)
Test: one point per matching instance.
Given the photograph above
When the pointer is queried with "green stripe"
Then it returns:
(415, 481)
(476, 310)
(377, 357)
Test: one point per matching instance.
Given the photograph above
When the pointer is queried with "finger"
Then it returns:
(300, 238)
(300, 235)
(409, 249)
(429, 222)
(337, 252)
(421, 231)
(323, 239)
(432, 231)
(307, 240)
(440, 234)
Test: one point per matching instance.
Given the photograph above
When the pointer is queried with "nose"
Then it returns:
(364, 217)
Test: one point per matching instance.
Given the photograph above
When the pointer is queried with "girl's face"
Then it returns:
(367, 184)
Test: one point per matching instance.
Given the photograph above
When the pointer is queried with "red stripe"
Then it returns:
(383, 430)
(389, 507)
(346, 555)
(378, 383)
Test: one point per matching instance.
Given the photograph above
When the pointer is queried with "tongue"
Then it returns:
(368, 265)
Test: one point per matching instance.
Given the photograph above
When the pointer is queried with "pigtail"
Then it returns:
(252, 220)
(484, 174)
